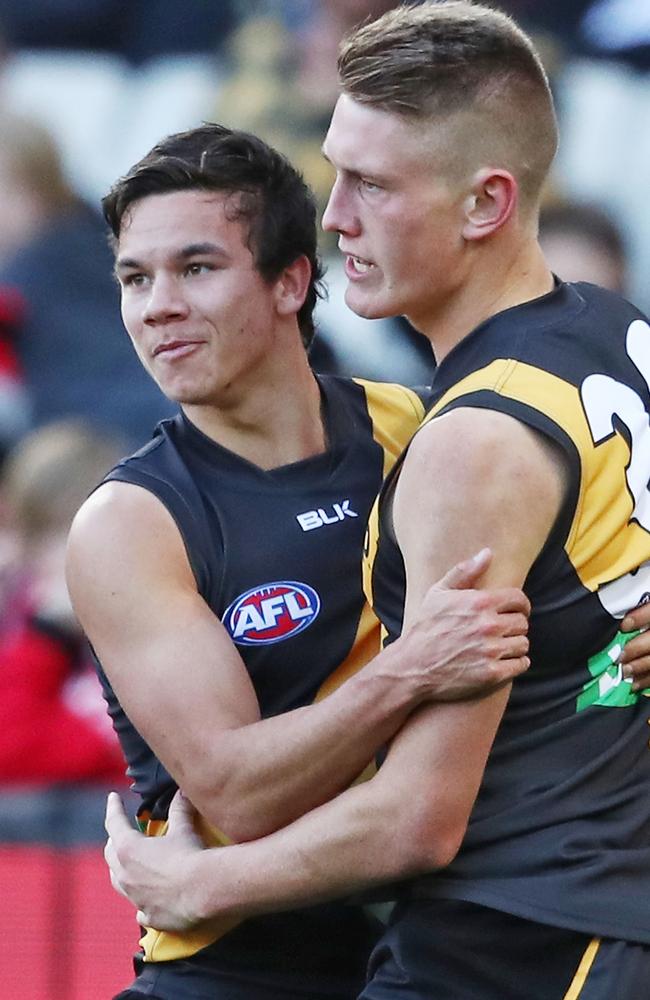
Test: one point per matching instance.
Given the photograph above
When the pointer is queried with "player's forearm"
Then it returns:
(338, 849)
(410, 818)
(269, 773)
(264, 775)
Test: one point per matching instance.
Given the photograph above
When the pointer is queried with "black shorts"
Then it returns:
(233, 987)
(243, 985)
(320, 953)
(451, 950)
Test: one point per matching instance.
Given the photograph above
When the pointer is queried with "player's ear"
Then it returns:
(292, 286)
(490, 203)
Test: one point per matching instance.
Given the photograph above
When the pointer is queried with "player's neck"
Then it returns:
(506, 282)
(275, 423)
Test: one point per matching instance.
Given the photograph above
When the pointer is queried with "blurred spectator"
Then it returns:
(15, 408)
(75, 356)
(53, 722)
(582, 243)
(57, 750)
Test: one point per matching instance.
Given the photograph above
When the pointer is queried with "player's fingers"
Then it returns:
(637, 618)
(181, 817)
(508, 624)
(511, 647)
(116, 821)
(634, 665)
(117, 885)
(466, 574)
(502, 672)
(112, 860)
(636, 649)
(507, 599)
(638, 671)
(114, 867)
(513, 667)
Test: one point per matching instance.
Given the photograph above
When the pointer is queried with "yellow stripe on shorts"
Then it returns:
(580, 978)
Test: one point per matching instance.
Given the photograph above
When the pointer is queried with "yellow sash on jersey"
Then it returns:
(604, 542)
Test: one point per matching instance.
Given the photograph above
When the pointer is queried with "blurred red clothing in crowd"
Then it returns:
(53, 722)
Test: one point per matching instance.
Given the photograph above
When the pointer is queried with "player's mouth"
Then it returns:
(172, 349)
(357, 267)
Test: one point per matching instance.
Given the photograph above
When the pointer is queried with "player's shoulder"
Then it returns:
(115, 510)
(152, 453)
(395, 412)
(389, 411)
(591, 292)
(469, 436)
(602, 337)
(604, 307)
(407, 399)
(119, 533)
(117, 495)
(163, 466)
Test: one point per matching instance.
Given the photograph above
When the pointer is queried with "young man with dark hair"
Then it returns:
(529, 807)
(217, 572)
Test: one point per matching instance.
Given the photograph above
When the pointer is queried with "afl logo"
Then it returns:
(271, 613)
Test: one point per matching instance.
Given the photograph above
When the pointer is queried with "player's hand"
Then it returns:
(635, 658)
(468, 642)
(155, 873)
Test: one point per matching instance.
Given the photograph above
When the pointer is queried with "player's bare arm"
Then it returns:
(471, 478)
(184, 686)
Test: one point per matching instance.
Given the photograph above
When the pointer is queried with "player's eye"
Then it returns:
(133, 280)
(198, 267)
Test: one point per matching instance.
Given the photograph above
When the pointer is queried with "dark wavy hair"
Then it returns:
(273, 199)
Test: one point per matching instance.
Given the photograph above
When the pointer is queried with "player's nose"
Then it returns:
(339, 215)
(165, 301)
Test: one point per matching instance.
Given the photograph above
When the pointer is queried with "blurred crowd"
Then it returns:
(86, 87)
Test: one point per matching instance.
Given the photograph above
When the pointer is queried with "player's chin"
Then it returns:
(367, 305)
(189, 394)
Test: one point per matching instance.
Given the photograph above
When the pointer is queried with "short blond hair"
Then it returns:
(451, 57)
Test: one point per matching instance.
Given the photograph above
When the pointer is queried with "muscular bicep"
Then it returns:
(471, 479)
(475, 478)
(169, 659)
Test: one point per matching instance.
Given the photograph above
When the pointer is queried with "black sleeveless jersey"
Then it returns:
(276, 554)
(560, 832)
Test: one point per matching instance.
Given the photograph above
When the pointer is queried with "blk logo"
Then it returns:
(317, 518)
(271, 613)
